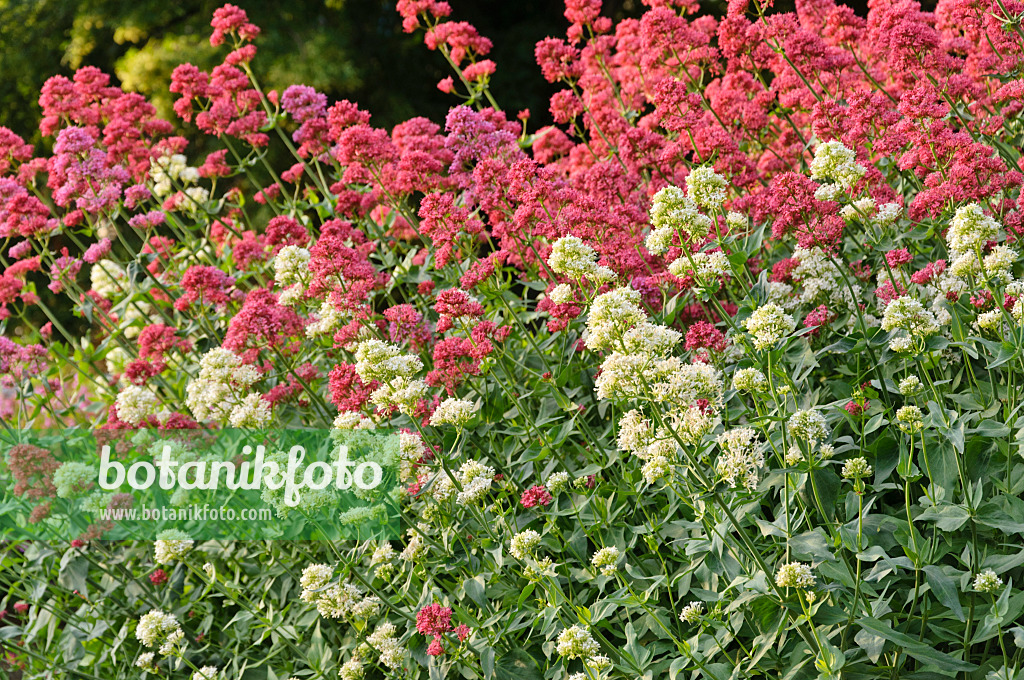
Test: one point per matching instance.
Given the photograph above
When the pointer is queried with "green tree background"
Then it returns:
(352, 49)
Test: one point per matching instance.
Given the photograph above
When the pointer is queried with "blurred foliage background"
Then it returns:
(352, 49)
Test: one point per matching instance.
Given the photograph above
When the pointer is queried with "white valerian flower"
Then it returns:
(735, 221)
(146, 662)
(768, 325)
(821, 281)
(673, 212)
(404, 393)
(351, 669)
(856, 468)
(741, 457)
(352, 420)
(576, 643)
(909, 419)
(314, 578)
(571, 257)
(969, 230)
(650, 339)
(998, 264)
(206, 673)
(252, 412)
(794, 575)
(199, 196)
(328, 319)
(475, 479)
(561, 294)
(606, 559)
(635, 431)
(861, 208)
(611, 315)
(291, 265)
(910, 386)
(828, 192)
(833, 160)
(220, 386)
(135, 404)
(523, 544)
(108, 279)
(558, 482)
(809, 426)
(655, 468)
(171, 545)
(704, 266)
(156, 628)
(453, 411)
(750, 380)
(887, 214)
(706, 188)
(908, 314)
(379, 360)
(384, 640)
(692, 612)
(988, 582)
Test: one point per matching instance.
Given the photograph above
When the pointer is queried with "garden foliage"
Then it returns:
(718, 377)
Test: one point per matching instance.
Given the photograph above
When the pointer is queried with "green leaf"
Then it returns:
(919, 650)
(947, 517)
(945, 590)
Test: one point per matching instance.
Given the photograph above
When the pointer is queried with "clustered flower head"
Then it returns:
(571, 257)
(836, 162)
(750, 380)
(159, 629)
(692, 612)
(606, 559)
(856, 468)
(455, 412)
(794, 575)
(768, 324)
(523, 544)
(576, 642)
(988, 582)
(171, 545)
(909, 419)
(674, 214)
(741, 458)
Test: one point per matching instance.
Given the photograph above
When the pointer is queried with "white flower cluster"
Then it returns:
(135, 403)
(969, 230)
(219, 392)
(334, 600)
(453, 411)
(692, 612)
(674, 213)
(171, 545)
(741, 457)
(908, 314)
(794, 575)
(749, 380)
(611, 315)
(988, 582)
(571, 257)
(809, 426)
(703, 266)
(576, 642)
(606, 559)
(291, 272)
(768, 324)
(206, 673)
(328, 319)
(821, 282)
(166, 168)
(351, 669)
(474, 478)
(386, 643)
(706, 188)
(159, 628)
(523, 544)
(386, 363)
(834, 161)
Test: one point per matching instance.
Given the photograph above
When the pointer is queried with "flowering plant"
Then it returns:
(716, 378)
